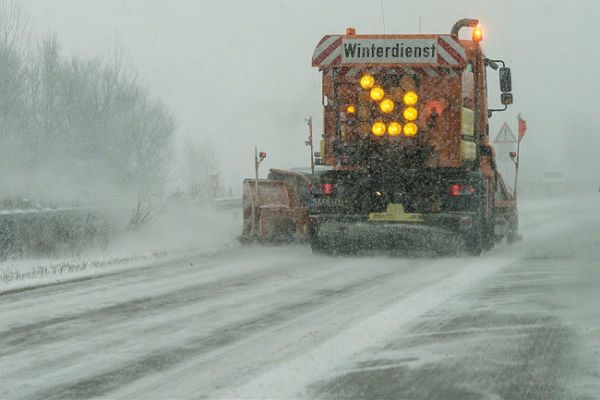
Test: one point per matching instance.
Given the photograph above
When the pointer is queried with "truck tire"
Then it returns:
(488, 237)
(474, 244)
(475, 240)
(319, 247)
(513, 229)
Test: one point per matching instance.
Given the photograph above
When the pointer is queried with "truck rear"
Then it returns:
(406, 132)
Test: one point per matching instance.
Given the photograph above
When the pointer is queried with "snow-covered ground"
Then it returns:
(178, 234)
(278, 322)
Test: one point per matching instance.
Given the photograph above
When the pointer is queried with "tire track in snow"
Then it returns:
(291, 379)
(169, 357)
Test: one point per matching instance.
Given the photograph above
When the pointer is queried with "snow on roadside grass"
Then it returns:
(178, 234)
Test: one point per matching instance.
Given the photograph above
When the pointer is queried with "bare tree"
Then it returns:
(14, 30)
(14, 26)
(198, 164)
(78, 118)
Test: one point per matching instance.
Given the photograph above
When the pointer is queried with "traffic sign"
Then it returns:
(505, 135)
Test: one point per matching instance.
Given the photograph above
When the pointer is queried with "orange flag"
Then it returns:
(522, 126)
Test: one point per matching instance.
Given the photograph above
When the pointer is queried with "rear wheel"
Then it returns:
(475, 240)
(474, 243)
(318, 245)
(513, 229)
(488, 237)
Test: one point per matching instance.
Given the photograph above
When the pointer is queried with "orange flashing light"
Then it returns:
(377, 93)
(367, 82)
(410, 129)
(350, 31)
(378, 129)
(411, 98)
(410, 113)
(386, 105)
(477, 34)
(394, 129)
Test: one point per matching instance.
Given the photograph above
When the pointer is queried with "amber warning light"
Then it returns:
(477, 33)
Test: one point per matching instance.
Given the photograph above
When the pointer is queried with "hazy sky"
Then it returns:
(239, 72)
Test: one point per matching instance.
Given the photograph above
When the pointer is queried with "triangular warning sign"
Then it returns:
(505, 135)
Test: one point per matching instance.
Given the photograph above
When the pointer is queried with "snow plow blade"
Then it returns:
(341, 237)
(392, 230)
(272, 213)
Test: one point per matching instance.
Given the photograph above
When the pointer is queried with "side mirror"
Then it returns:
(506, 98)
(490, 63)
(505, 80)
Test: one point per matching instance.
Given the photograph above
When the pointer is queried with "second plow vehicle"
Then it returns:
(405, 145)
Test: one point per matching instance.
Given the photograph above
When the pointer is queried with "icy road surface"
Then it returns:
(520, 322)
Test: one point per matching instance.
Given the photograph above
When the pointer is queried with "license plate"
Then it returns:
(328, 202)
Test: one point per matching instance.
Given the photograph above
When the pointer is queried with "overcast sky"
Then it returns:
(239, 72)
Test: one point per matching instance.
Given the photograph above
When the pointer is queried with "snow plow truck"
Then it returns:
(405, 151)
(406, 134)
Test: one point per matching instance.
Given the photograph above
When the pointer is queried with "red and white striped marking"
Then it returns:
(328, 51)
(450, 52)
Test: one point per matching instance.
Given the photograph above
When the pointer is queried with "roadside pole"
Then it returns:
(309, 142)
(258, 158)
(522, 130)
(517, 158)
(256, 163)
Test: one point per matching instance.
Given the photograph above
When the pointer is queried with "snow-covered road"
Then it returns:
(278, 322)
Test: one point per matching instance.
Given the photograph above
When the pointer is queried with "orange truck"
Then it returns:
(406, 134)
(274, 209)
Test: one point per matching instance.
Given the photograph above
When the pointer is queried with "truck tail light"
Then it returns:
(454, 190)
(461, 190)
(328, 189)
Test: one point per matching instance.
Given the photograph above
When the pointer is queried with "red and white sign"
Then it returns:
(338, 50)
(505, 135)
